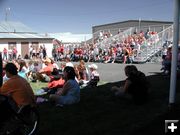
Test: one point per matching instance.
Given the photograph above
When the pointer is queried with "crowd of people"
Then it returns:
(69, 77)
(125, 49)
(65, 80)
(46, 70)
(64, 83)
(35, 52)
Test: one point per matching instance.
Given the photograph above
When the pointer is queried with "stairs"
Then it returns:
(149, 48)
(119, 38)
(153, 45)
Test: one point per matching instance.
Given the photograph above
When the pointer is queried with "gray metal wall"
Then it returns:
(113, 28)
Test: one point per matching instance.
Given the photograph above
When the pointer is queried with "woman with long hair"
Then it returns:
(70, 93)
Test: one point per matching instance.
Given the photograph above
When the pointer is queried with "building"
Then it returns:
(16, 34)
(139, 25)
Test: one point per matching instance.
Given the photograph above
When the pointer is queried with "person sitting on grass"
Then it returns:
(17, 87)
(70, 93)
(23, 69)
(83, 75)
(45, 73)
(94, 76)
(136, 85)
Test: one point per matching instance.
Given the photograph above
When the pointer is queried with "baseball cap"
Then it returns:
(94, 66)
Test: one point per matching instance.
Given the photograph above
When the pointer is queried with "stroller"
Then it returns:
(17, 121)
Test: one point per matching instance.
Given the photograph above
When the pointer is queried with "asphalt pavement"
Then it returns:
(113, 72)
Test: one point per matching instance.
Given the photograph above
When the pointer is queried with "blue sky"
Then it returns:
(78, 16)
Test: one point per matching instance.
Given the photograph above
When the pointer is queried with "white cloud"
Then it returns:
(69, 37)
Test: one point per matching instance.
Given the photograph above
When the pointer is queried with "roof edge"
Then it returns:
(169, 22)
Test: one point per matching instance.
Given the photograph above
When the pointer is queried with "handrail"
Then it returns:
(105, 43)
(156, 44)
(125, 28)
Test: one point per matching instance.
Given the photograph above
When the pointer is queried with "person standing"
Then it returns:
(44, 52)
(5, 51)
(14, 53)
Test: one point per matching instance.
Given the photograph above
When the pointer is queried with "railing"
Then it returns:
(114, 40)
(114, 31)
(154, 44)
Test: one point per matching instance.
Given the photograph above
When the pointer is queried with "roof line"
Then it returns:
(132, 21)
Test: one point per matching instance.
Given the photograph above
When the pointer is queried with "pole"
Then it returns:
(1, 70)
(139, 25)
(85, 40)
(172, 93)
(6, 14)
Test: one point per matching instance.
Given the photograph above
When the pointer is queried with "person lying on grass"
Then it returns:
(136, 85)
(70, 93)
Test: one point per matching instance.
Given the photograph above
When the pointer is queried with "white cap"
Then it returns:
(94, 66)
(69, 64)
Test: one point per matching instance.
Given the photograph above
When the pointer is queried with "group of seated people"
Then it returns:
(67, 90)
(110, 49)
(57, 79)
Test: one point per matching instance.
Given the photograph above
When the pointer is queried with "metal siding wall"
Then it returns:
(125, 25)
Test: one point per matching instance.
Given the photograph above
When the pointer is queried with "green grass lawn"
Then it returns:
(100, 113)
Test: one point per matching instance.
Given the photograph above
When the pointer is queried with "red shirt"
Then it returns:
(5, 50)
(47, 70)
(14, 51)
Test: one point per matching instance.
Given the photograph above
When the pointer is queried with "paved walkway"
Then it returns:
(113, 72)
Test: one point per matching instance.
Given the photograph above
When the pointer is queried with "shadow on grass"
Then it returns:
(100, 113)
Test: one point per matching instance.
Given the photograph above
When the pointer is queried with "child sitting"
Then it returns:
(94, 75)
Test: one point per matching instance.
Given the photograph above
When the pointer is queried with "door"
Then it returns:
(11, 45)
(35, 45)
(24, 49)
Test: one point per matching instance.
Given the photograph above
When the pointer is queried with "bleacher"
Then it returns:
(149, 48)
(154, 45)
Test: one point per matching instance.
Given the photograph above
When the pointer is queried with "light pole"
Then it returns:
(173, 80)
(139, 24)
(6, 15)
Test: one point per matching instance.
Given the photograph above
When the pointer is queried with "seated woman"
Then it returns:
(23, 69)
(70, 93)
(83, 76)
(136, 85)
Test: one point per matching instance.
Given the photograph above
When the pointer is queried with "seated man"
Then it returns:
(136, 85)
(17, 87)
